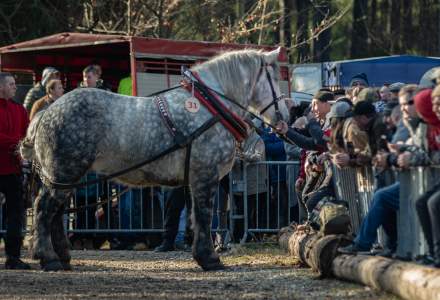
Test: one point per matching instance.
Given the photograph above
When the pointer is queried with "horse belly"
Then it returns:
(167, 171)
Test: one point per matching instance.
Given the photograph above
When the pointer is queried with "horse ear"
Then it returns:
(272, 56)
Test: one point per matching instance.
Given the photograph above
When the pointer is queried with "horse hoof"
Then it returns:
(36, 255)
(52, 266)
(210, 263)
(66, 266)
(214, 266)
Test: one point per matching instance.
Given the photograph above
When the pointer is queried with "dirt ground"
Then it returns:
(252, 273)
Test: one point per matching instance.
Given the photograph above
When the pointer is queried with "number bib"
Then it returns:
(192, 105)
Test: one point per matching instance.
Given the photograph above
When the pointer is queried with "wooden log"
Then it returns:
(406, 280)
(312, 249)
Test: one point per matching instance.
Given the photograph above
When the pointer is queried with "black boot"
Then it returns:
(12, 249)
(165, 246)
(14, 263)
(436, 255)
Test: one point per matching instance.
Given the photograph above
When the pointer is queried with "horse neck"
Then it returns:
(209, 80)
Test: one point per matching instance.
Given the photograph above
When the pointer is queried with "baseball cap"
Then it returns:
(363, 108)
(340, 110)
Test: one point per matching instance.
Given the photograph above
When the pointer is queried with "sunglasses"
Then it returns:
(410, 102)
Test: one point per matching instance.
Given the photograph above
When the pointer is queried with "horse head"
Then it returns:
(266, 98)
(249, 77)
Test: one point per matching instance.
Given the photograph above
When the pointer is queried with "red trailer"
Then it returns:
(153, 64)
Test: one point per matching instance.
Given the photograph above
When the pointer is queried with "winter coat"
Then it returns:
(100, 84)
(35, 93)
(314, 140)
(425, 147)
(376, 131)
(41, 104)
(274, 152)
(13, 125)
(39, 90)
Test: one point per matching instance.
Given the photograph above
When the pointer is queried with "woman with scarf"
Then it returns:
(428, 205)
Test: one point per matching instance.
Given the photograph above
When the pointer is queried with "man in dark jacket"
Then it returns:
(92, 78)
(39, 90)
(13, 124)
(365, 116)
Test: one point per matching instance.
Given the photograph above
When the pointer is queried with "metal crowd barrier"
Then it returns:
(357, 186)
(132, 210)
(413, 183)
(354, 185)
(266, 191)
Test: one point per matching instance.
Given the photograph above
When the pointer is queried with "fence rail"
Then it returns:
(260, 198)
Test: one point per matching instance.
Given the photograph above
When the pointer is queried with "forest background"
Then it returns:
(312, 30)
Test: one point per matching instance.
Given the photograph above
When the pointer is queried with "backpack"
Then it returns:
(331, 216)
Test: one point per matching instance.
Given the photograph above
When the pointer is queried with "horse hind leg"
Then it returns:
(45, 210)
(203, 193)
(60, 242)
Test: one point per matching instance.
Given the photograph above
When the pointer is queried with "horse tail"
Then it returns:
(26, 145)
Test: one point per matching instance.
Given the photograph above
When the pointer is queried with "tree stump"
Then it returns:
(312, 249)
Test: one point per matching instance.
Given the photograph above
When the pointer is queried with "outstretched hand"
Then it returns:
(282, 127)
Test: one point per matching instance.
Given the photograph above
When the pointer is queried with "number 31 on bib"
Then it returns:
(192, 105)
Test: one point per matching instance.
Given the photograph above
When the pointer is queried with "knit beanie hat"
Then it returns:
(46, 74)
(359, 79)
(363, 108)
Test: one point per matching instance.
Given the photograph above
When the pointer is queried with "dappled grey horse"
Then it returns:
(91, 129)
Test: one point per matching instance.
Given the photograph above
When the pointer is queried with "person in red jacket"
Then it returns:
(13, 124)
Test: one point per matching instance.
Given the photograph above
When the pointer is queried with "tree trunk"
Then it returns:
(321, 45)
(423, 30)
(395, 18)
(281, 26)
(406, 280)
(302, 28)
(372, 24)
(383, 30)
(437, 27)
(359, 33)
(407, 42)
(288, 6)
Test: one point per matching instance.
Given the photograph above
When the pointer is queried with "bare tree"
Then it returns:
(359, 31)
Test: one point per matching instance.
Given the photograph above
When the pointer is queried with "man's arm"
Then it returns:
(302, 141)
(316, 132)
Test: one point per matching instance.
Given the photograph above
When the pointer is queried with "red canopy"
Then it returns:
(118, 55)
(140, 45)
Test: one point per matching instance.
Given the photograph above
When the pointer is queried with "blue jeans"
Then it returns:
(382, 213)
(130, 206)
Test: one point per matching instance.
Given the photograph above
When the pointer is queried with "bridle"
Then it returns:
(275, 98)
(187, 73)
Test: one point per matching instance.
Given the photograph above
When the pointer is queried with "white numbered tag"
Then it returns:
(192, 105)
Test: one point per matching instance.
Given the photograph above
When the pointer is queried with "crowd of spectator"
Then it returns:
(396, 126)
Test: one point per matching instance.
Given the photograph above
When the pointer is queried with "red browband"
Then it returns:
(239, 132)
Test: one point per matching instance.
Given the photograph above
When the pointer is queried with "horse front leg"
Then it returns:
(203, 192)
(45, 210)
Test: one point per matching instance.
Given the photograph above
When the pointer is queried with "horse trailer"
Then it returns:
(152, 64)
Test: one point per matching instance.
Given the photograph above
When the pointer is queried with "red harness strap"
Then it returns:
(238, 133)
